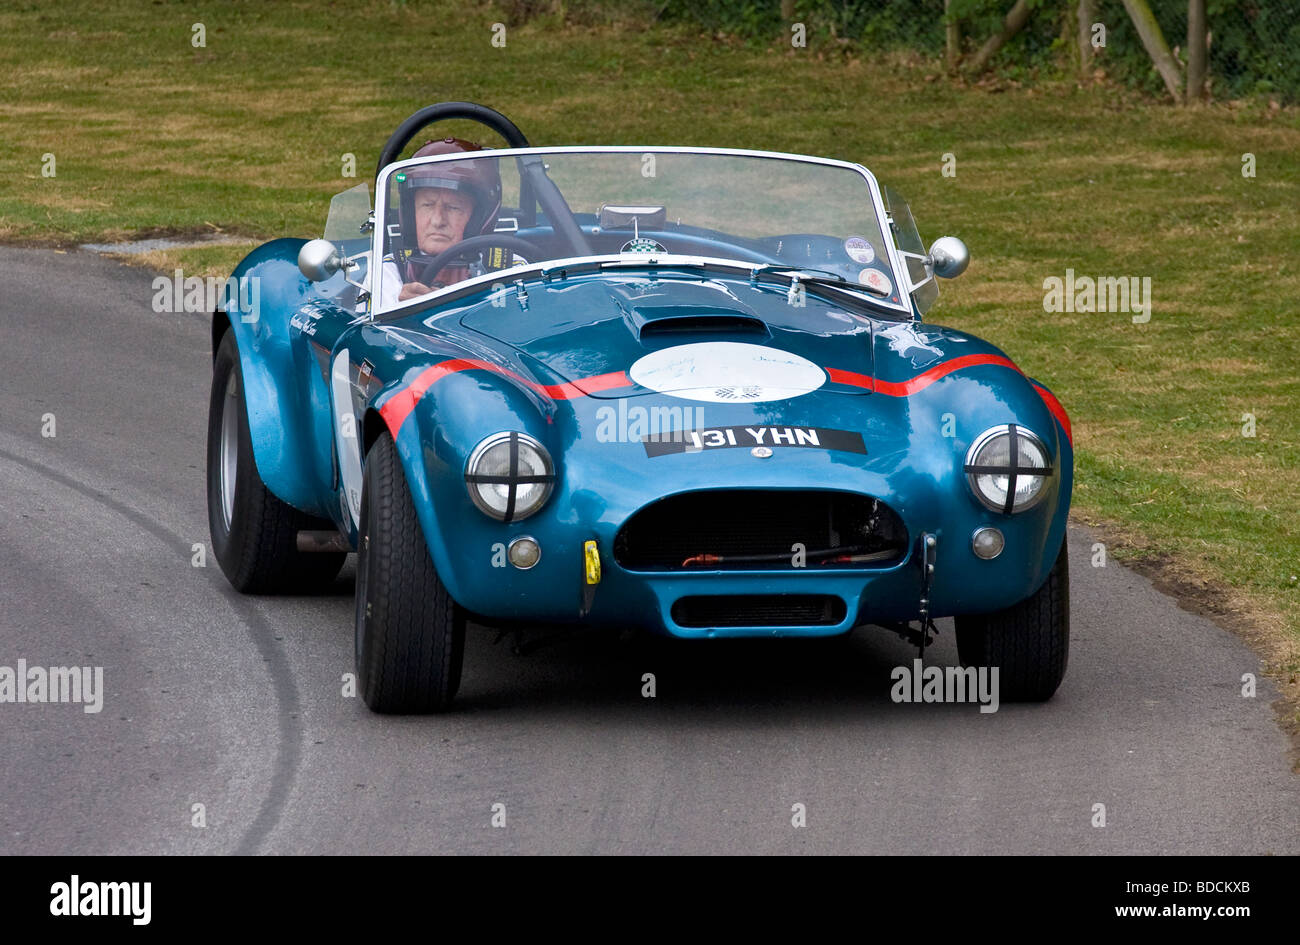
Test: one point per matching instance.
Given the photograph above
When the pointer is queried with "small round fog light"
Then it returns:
(524, 552)
(987, 543)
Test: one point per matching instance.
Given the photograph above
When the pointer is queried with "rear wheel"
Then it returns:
(410, 634)
(254, 534)
(1028, 642)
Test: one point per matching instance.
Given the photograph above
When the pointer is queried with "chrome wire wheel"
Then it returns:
(228, 465)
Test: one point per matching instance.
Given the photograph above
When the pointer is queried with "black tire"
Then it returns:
(1029, 642)
(410, 637)
(257, 544)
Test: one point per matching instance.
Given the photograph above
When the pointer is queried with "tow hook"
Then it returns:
(928, 544)
(924, 636)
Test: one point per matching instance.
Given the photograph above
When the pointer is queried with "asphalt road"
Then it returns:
(236, 703)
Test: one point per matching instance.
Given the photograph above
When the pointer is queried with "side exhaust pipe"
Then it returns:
(323, 541)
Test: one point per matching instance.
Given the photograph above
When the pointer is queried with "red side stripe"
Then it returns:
(399, 406)
(850, 378)
(1058, 411)
(926, 378)
(593, 385)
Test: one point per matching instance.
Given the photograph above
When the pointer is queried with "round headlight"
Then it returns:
(1007, 468)
(509, 475)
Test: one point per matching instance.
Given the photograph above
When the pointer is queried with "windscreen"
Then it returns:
(452, 219)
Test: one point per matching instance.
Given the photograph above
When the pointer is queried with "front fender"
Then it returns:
(949, 416)
(434, 436)
(282, 417)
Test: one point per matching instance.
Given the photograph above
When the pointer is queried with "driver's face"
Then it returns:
(440, 218)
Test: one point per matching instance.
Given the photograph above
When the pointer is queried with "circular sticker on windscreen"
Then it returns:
(859, 250)
(727, 372)
(875, 279)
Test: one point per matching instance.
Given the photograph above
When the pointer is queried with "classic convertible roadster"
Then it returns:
(683, 389)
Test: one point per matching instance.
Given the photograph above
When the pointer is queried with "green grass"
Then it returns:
(248, 135)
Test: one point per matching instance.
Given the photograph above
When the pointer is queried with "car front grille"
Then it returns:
(759, 610)
(759, 529)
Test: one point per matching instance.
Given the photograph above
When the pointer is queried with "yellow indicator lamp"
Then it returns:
(591, 555)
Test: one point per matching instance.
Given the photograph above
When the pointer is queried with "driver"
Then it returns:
(439, 205)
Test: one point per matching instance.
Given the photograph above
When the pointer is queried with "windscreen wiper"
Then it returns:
(835, 289)
(800, 276)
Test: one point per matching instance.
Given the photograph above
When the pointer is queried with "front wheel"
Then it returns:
(410, 636)
(1028, 642)
(254, 533)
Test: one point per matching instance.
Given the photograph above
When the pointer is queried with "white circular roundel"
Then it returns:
(726, 372)
(859, 250)
(877, 280)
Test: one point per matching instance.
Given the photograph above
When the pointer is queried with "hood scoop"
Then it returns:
(686, 307)
(678, 320)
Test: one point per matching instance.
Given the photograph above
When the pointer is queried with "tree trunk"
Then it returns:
(1139, 11)
(787, 10)
(952, 37)
(1196, 51)
(1087, 16)
(1013, 24)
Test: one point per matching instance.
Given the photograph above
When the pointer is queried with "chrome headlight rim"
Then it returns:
(473, 478)
(1013, 469)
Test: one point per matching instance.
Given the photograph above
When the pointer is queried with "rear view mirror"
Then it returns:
(617, 218)
(949, 257)
(318, 260)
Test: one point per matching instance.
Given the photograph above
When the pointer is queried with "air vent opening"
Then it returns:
(703, 324)
(759, 610)
(761, 530)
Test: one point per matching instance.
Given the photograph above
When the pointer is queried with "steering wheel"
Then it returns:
(435, 265)
(534, 185)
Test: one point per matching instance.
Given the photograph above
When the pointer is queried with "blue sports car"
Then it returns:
(688, 390)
